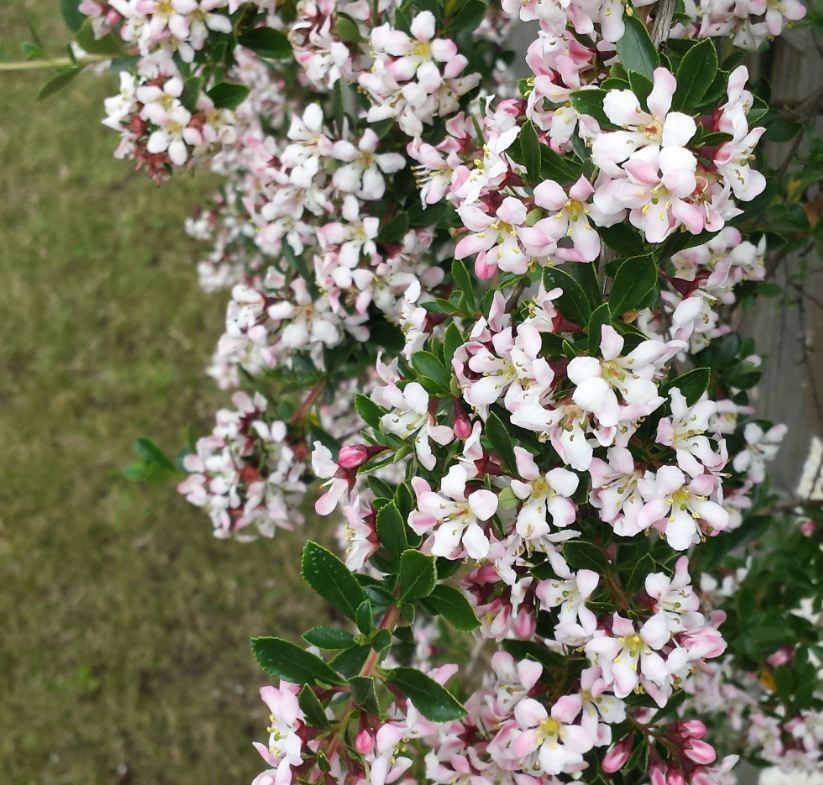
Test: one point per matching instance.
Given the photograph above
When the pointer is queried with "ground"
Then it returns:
(124, 625)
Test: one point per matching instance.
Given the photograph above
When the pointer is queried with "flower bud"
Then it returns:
(364, 742)
(692, 729)
(616, 757)
(700, 752)
(525, 624)
(352, 456)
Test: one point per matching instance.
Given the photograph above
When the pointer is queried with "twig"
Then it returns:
(308, 402)
(514, 298)
(793, 504)
(662, 22)
(57, 62)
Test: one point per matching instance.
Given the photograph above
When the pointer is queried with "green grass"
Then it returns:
(124, 626)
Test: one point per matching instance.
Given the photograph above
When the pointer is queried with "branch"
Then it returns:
(793, 504)
(57, 62)
(662, 22)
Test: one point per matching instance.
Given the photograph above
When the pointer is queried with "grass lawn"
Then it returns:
(123, 624)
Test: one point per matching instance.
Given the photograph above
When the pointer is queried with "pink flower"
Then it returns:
(456, 514)
(495, 239)
(542, 495)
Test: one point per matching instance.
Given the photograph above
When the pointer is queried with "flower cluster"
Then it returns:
(489, 320)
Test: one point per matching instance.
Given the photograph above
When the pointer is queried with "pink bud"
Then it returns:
(525, 624)
(692, 729)
(616, 757)
(781, 656)
(674, 777)
(461, 426)
(808, 527)
(364, 742)
(353, 456)
(658, 775)
(699, 751)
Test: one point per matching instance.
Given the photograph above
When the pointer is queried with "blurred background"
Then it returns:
(124, 625)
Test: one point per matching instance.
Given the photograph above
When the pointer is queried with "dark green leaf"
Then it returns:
(58, 82)
(351, 661)
(266, 42)
(431, 368)
(328, 638)
(227, 95)
(72, 16)
(293, 663)
(695, 75)
(465, 283)
(590, 102)
(501, 441)
(363, 617)
(368, 410)
(394, 230)
(191, 92)
(637, 578)
(452, 605)
(530, 151)
(636, 50)
(574, 304)
(331, 579)
(110, 44)
(152, 464)
(600, 316)
(312, 708)
(391, 531)
(364, 694)
(634, 281)
(558, 167)
(431, 700)
(691, 384)
(347, 29)
(418, 575)
(581, 554)
(641, 86)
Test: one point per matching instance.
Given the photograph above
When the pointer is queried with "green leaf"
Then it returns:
(558, 167)
(433, 701)
(312, 708)
(347, 29)
(227, 95)
(530, 151)
(633, 283)
(391, 531)
(59, 81)
(642, 567)
(641, 86)
(695, 74)
(331, 579)
(532, 650)
(368, 410)
(452, 605)
(418, 576)
(328, 638)
(691, 384)
(266, 42)
(191, 92)
(636, 50)
(465, 283)
(622, 238)
(363, 617)
(590, 102)
(452, 341)
(574, 304)
(393, 230)
(364, 694)
(600, 316)
(351, 661)
(431, 368)
(467, 18)
(580, 553)
(284, 659)
(110, 44)
(152, 465)
(501, 441)
(72, 16)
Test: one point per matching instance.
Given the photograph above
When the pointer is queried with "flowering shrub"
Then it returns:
(490, 320)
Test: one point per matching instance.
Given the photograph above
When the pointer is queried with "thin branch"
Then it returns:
(662, 22)
(57, 62)
(793, 504)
